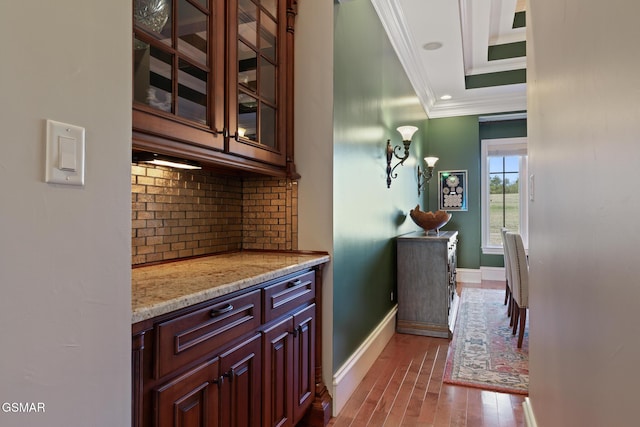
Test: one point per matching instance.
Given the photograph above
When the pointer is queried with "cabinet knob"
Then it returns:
(229, 375)
(218, 311)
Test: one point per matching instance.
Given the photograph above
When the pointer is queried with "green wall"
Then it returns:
(372, 96)
(456, 141)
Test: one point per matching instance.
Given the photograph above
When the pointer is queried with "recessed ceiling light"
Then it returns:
(432, 46)
(446, 97)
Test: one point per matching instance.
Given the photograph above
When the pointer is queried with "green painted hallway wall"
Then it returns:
(372, 96)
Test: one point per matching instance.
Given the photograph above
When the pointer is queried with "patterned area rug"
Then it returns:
(483, 353)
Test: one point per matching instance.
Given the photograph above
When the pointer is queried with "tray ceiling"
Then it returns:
(473, 51)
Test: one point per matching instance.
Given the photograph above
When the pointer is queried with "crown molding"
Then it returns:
(392, 18)
(515, 101)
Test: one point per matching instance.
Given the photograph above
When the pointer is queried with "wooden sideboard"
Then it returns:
(427, 298)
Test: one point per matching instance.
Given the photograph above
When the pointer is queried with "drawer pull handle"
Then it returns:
(294, 283)
(218, 311)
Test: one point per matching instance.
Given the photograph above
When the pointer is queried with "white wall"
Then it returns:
(584, 128)
(65, 251)
(314, 146)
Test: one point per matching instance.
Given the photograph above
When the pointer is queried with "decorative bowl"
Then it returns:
(429, 220)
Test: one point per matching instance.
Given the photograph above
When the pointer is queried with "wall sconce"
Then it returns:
(406, 132)
(426, 174)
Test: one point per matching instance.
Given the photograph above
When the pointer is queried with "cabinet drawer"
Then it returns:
(186, 338)
(286, 295)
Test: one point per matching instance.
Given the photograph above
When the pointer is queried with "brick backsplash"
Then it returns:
(182, 213)
(270, 214)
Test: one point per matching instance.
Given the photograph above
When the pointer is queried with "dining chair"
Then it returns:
(507, 274)
(519, 283)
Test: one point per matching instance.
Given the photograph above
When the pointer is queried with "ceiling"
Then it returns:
(481, 61)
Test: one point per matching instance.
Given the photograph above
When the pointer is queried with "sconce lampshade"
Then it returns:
(407, 132)
(430, 161)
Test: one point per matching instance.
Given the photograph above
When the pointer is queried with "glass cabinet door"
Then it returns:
(255, 79)
(178, 48)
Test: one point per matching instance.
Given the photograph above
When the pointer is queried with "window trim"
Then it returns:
(514, 146)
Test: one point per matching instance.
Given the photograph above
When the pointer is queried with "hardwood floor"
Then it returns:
(404, 388)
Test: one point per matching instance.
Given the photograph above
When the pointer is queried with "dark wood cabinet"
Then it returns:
(213, 80)
(240, 391)
(289, 368)
(278, 373)
(249, 358)
(190, 400)
(303, 360)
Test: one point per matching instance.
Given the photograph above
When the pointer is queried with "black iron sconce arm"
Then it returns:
(426, 175)
(406, 132)
(391, 152)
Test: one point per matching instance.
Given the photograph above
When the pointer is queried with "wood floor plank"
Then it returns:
(419, 393)
(377, 392)
(384, 365)
(459, 407)
(389, 397)
(444, 408)
(404, 388)
(505, 410)
(474, 408)
(397, 412)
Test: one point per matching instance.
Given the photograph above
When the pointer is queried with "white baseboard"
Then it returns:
(492, 273)
(529, 417)
(348, 377)
(468, 275)
(471, 275)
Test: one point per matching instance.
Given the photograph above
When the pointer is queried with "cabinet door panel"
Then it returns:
(257, 80)
(241, 391)
(178, 71)
(304, 323)
(278, 374)
(190, 400)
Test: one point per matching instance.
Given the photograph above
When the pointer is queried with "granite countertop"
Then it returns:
(162, 288)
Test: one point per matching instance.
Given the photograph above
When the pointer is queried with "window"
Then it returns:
(504, 191)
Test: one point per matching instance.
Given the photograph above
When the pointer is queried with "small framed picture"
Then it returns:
(453, 190)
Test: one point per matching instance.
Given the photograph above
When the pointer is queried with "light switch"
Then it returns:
(65, 154)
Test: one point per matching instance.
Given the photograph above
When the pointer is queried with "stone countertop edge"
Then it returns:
(148, 311)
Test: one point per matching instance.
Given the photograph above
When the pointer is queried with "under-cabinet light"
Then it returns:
(162, 160)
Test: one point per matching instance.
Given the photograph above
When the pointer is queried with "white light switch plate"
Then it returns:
(65, 154)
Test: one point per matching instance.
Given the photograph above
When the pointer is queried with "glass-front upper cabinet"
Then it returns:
(178, 70)
(257, 84)
(215, 74)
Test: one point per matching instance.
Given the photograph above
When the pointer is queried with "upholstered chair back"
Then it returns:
(519, 269)
(507, 267)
